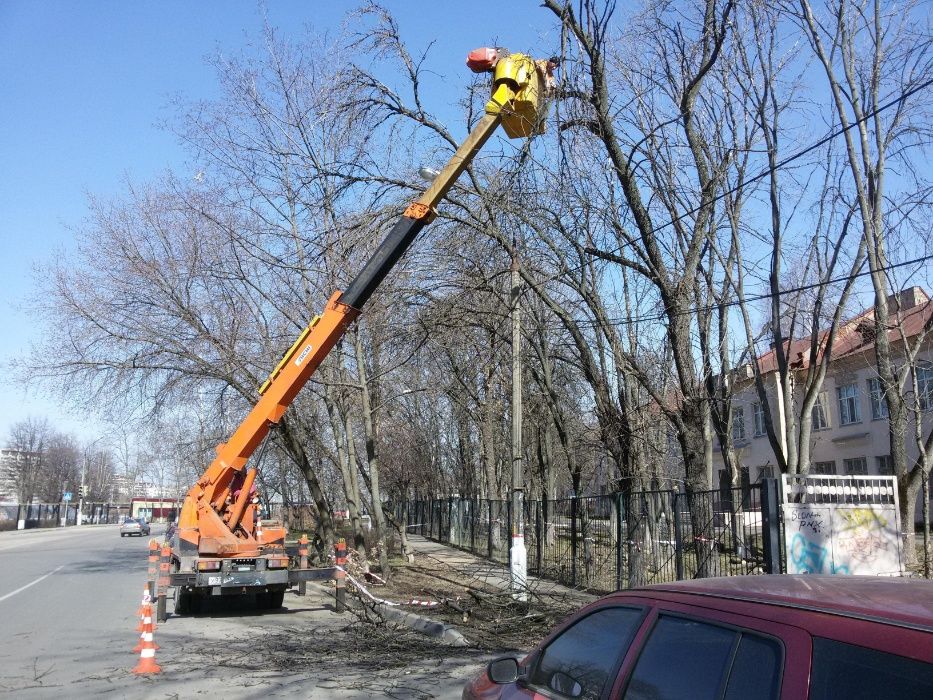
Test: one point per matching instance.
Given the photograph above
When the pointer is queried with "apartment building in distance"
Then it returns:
(10, 464)
(850, 426)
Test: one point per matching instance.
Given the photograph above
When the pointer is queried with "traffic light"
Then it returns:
(85, 490)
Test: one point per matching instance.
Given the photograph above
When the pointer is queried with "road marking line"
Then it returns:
(47, 533)
(31, 583)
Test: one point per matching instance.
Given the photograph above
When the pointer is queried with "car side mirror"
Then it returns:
(502, 671)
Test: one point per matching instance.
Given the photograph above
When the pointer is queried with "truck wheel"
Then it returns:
(274, 599)
(182, 601)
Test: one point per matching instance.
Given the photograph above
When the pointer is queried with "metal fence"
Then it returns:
(26, 516)
(610, 542)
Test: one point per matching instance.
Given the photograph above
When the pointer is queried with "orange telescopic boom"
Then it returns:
(218, 518)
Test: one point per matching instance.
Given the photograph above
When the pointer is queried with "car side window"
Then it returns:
(685, 658)
(756, 669)
(848, 671)
(581, 661)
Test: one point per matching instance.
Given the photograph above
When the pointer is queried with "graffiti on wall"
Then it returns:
(841, 538)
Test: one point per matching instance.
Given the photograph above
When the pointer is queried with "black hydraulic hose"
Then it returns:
(382, 261)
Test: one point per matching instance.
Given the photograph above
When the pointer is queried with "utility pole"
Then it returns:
(518, 555)
(79, 519)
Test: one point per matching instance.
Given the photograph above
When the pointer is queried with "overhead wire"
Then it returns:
(767, 171)
(524, 152)
(660, 316)
(667, 313)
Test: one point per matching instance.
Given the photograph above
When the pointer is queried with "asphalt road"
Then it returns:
(68, 603)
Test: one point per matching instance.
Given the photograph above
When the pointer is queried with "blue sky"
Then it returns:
(85, 85)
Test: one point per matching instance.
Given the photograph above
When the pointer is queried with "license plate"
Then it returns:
(213, 580)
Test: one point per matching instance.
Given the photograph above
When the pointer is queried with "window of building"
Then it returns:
(820, 413)
(849, 411)
(925, 387)
(738, 423)
(758, 414)
(879, 407)
(824, 468)
(855, 466)
(885, 465)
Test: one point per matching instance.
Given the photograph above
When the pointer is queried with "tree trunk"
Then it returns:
(293, 447)
(343, 444)
(370, 429)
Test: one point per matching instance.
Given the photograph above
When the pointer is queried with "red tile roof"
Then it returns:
(855, 336)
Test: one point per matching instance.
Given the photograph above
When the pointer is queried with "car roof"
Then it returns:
(894, 600)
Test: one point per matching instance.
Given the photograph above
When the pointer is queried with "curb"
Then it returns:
(443, 632)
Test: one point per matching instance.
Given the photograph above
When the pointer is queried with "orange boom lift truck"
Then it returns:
(220, 548)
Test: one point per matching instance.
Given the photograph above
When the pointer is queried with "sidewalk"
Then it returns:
(489, 572)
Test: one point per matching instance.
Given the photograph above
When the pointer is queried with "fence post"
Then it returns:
(538, 534)
(489, 528)
(678, 537)
(619, 505)
(473, 525)
(770, 526)
(573, 541)
(508, 519)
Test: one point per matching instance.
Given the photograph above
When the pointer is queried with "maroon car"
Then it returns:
(815, 637)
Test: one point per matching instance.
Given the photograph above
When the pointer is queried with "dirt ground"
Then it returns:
(488, 617)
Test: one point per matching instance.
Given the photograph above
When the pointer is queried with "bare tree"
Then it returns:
(30, 439)
(878, 64)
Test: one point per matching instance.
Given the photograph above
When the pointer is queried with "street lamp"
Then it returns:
(427, 174)
(404, 392)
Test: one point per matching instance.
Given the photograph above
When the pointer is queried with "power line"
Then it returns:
(761, 175)
(664, 315)
(757, 297)
(770, 169)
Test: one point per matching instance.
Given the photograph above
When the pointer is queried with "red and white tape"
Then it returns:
(383, 601)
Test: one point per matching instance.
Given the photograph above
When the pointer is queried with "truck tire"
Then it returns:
(183, 601)
(274, 599)
(270, 600)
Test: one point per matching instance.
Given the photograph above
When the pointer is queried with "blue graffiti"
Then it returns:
(808, 557)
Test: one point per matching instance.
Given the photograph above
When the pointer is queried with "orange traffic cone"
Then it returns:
(142, 602)
(147, 649)
(146, 635)
(144, 606)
